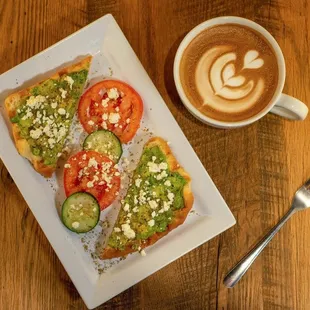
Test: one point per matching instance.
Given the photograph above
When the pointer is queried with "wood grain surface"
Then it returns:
(257, 168)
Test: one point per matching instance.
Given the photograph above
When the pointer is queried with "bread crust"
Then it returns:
(11, 105)
(179, 215)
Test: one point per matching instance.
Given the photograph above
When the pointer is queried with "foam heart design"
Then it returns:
(251, 60)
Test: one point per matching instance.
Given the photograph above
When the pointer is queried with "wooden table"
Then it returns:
(256, 168)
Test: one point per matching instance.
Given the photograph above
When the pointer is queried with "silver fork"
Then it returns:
(300, 201)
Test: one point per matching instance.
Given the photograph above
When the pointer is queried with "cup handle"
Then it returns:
(290, 107)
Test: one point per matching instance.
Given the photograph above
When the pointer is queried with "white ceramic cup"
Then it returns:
(280, 104)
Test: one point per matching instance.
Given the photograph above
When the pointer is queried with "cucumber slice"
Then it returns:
(104, 142)
(80, 212)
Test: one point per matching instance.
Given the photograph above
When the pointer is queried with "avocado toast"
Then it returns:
(158, 200)
(41, 115)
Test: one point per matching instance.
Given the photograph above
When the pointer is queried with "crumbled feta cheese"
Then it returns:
(51, 142)
(163, 166)
(127, 120)
(92, 163)
(142, 253)
(162, 175)
(62, 111)
(153, 214)
(153, 167)
(69, 80)
(105, 116)
(166, 206)
(128, 232)
(135, 200)
(34, 102)
(129, 215)
(170, 196)
(142, 198)
(63, 93)
(27, 115)
(90, 184)
(153, 204)
(104, 102)
(113, 93)
(114, 118)
(67, 166)
(54, 105)
(84, 157)
(104, 125)
(35, 133)
(117, 174)
(138, 182)
(117, 109)
(151, 223)
(126, 207)
(91, 123)
(116, 229)
(75, 225)
(135, 209)
(167, 183)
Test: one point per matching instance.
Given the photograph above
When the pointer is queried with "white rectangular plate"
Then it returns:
(112, 55)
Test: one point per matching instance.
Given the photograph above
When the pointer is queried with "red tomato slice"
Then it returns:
(120, 112)
(94, 173)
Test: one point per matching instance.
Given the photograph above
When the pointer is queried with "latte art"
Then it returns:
(229, 76)
(218, 83)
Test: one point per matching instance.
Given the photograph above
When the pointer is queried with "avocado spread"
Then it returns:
(44, 117)
(153, 197)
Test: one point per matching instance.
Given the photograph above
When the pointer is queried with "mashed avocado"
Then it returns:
(152, 198)
(44, 117)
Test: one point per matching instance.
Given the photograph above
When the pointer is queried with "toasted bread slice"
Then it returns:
(29, 109)
(120, 245)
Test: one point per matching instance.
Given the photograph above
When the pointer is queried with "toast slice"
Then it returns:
(158, 201)
(41, 115)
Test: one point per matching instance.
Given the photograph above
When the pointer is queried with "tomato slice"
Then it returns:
(94, 173)
(112, 105)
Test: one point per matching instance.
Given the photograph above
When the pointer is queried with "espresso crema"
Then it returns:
(229, 72)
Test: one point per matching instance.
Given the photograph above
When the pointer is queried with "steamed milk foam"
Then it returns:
(229, 72)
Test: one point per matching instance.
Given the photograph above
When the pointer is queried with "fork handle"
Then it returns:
(240, 269)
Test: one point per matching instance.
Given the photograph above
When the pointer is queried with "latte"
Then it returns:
(229, 72)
